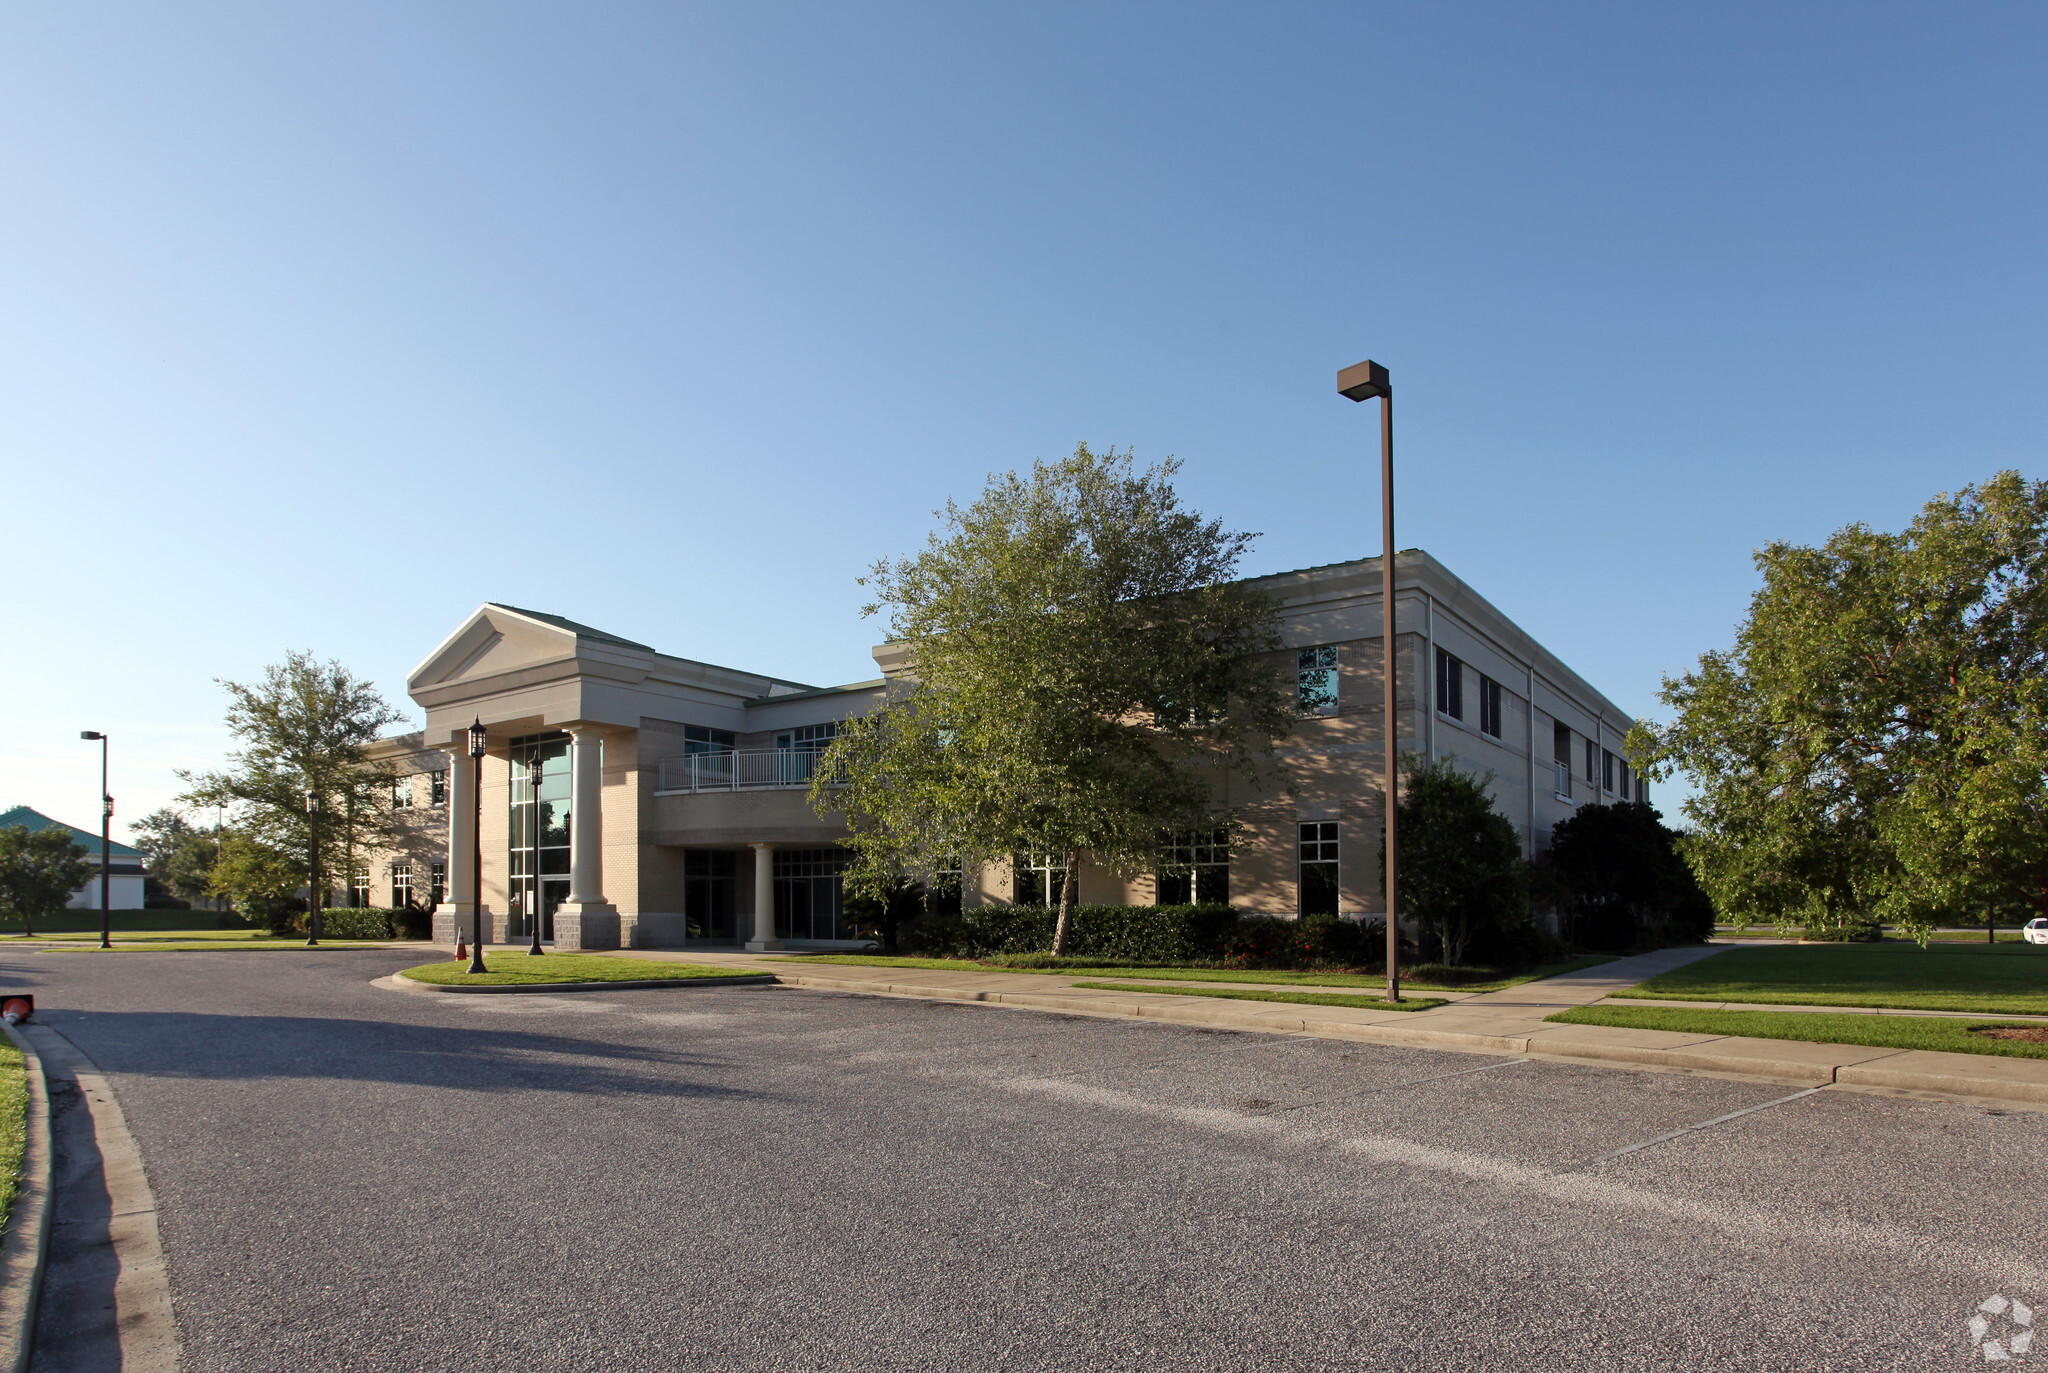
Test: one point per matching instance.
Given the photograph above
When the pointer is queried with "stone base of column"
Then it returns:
(452, 918)
(586, 925)
(766, 945)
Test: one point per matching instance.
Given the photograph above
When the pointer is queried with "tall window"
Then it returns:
(1592, 762)
(401, 791)
(1319, 875)
(1041, 877)
(707, 894)
(539, 832)
(809, 900)
(1194, 867)
(797, 750)
(359, 887)
(437, 787)
(1607, 762)
(703, 739)
(401, 886)
(1489, 706)
(1315, 680)
(1450, 685)
(437, 883)
(1624, 781)
(1561, 754)
(943, 896)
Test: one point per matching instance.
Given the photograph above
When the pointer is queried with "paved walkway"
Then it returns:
(1504, 1022)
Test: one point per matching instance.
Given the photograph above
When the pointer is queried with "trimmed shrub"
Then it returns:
(1310, 942)
(413, 922)
(229, 920)
(355, 922)
(1133, 934)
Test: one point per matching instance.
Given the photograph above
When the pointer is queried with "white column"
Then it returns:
(764, 899)
(586, 817)
(586, 920)
(452, 916)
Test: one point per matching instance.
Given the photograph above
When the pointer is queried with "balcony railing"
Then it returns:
(1564, 781)
(757, 769)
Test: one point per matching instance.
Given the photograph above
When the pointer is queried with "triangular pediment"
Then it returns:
(494, 640)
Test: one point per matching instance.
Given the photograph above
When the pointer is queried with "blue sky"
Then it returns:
(323, 324)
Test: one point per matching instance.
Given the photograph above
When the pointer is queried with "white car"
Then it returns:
(2036, 931)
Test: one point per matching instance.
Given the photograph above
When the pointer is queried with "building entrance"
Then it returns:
(539, 833)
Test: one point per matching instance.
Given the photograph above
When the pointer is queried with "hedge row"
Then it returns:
(1142, 934)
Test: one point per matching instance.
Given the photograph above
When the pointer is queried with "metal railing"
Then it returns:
(757, 769)
(1564, 781)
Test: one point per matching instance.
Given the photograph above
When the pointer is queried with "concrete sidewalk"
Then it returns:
(1504, 1022)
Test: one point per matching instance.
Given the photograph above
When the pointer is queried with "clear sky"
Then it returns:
(321, 324)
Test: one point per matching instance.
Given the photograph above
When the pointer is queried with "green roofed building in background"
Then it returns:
(124, 866)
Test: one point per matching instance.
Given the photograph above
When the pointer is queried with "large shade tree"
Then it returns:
(1875, 745)
(307, 726)
(1083, 672)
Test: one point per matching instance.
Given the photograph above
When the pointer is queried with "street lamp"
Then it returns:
(533, 906)
(106, 843)
(479, 740)
(1363, 382)
(313, 890)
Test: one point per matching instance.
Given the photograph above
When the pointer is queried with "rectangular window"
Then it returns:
(809, 899)
(1194, 868)
(1607, 762)
(943, 896)
(1450, 685)
(708, 890)
(1624, 781)
(809, 738)
(437, 883)
(1315, 681)
(538, 825)
(1489, 706)
(1592, 761)
(437, 787)
(359, 888)
(701, 739)
(401, 792)
(1561, 756)
(1319, 867)
(401, 886)
(1041, 877)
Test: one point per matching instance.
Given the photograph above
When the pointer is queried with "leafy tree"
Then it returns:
(180, 856)
(1619, 881)
(260, 881)
(1083, 672)
(307, 726)
(1875, 745)
(39, 870)
(1461, 876)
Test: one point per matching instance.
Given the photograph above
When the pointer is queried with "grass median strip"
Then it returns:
(1366, 1003)
(13, 1123)
(1421, 978)
(523, 969)
(1939, 1033)
(1996, 979)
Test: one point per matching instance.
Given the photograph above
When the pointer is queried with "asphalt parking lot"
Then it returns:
(765, 1178)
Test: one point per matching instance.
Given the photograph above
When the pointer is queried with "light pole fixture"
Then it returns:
(106, 842)
(479, 740)
(533, 905)
(1360, 383)
(313, 885)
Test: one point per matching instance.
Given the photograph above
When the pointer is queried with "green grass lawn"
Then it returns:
(1819, 1027)
(2010, 979)
(1370, 1003)
(13, 1122)
(185, 941)
(524, 969)
(1421, 978)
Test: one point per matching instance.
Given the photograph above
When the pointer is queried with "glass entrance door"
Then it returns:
(539, 832)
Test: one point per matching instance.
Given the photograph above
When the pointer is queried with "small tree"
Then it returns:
(1619, 880)
(39, 870)
(179, 856)
(1083, 672)
(306, 726)
(1461, 874)
(260, 881)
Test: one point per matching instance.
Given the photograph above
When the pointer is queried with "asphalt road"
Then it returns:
(763, 1178)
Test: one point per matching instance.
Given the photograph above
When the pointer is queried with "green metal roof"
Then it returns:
(34, 820)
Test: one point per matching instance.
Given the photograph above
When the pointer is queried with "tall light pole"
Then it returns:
(1363, 382)
(313, 883)
(533, 875)
(106, 827)
(479, 740)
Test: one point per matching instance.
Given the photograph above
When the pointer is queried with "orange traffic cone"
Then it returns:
(461, 949)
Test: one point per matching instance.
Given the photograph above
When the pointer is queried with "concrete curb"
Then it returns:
(400, 982)
(27, 1247)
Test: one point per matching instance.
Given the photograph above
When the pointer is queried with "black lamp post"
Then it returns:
(313, 887)
(479, 740)
(1363, 382)
(533, 875)
(106, 826)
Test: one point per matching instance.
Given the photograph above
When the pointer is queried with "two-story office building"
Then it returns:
(634, 797)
